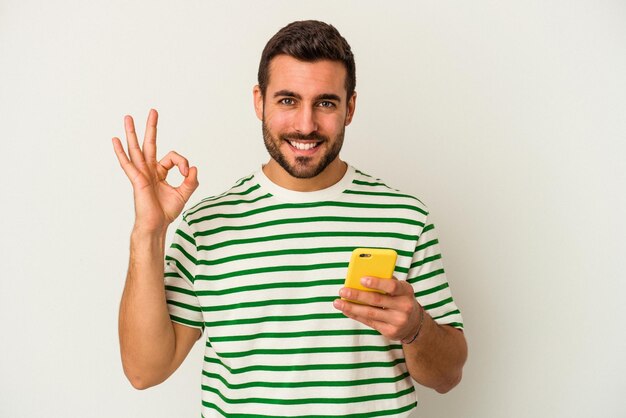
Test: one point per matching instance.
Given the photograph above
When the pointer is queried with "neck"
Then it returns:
(331, 175)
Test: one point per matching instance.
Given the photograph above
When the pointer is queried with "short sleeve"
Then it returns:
(428, 278)
(180, 266)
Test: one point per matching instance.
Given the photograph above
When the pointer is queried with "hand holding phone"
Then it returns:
(376, 262)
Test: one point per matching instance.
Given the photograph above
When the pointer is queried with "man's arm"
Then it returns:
(435, 358)
(151, 346)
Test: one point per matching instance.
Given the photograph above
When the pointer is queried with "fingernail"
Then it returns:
(338, 304)
(366, 281)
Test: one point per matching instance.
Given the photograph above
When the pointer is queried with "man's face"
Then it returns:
(304, 114)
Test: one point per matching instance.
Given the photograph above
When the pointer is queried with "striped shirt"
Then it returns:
(259, 267)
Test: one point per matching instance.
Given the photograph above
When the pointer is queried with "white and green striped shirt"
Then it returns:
(259, 267)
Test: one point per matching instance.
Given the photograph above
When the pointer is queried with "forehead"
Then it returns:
(306, 78)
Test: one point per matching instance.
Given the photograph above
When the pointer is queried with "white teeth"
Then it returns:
(303, 146)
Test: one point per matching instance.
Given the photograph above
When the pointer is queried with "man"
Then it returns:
(261, 266)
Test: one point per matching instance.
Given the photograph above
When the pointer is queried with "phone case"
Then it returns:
(377, 262)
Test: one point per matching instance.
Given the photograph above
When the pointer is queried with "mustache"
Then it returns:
(312, 136)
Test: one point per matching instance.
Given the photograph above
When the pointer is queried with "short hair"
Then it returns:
(308, 40)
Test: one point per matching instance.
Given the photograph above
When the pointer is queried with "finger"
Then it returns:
(189, 185)
(128, 167)
(149, 139)
(364, 313)
(367, 297)
(389, 323)
(380, 326)
(175, 159)
(136, 156)
(391, 287)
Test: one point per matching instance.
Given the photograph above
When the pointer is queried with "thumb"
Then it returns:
(190, 184)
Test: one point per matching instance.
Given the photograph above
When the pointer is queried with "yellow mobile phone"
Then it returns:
(377, 262)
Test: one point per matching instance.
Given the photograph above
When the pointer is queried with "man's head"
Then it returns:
(305, 99)
(309, 41)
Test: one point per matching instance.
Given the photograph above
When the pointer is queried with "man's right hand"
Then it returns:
(157, 203)
(152, 347)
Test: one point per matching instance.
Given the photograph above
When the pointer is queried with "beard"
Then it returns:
(303, 167)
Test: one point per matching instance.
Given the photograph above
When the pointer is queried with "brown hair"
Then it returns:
(308, 40)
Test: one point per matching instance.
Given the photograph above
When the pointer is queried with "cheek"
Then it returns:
(277, 122)
(332, 123)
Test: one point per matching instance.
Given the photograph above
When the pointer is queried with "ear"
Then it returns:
(258, 101)
(350, 109)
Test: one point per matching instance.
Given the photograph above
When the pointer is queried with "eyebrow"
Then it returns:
(323, 96)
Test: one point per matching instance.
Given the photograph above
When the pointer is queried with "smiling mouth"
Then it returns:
(303, 146)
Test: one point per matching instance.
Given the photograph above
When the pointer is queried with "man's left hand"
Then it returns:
(395, 314)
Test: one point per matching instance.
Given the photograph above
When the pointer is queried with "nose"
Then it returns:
(305, 121)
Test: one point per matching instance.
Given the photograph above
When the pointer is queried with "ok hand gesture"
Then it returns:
(157, 203)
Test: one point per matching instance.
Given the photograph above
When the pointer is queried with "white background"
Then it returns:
(507, 118)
